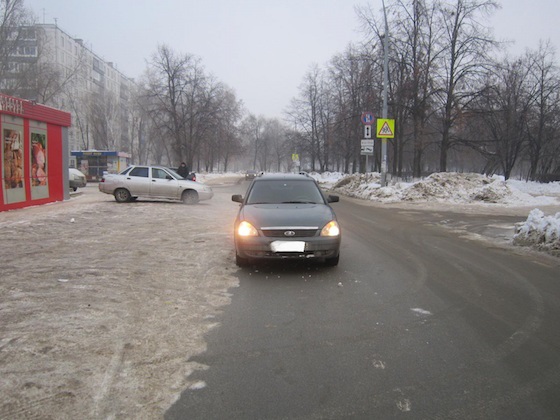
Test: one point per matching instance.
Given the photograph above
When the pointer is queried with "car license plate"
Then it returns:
(287, 246)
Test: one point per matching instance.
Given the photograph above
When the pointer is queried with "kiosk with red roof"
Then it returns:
(34, 153)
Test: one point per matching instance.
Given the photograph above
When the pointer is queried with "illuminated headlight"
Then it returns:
(331, 229)
(246, 229)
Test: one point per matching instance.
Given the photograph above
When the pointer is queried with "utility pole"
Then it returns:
(385, 94)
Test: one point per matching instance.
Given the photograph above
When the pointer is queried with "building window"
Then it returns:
(28, 34)
(27, 51)
(97, 65)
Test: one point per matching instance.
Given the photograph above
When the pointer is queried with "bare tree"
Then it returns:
(414, 36)
(308, 113)
(104, 120)
(166, 89)
(543, 132)
(228, 114)
(464, 53)
(503, 113)
(188, 107)
(80, 121)
(279, 155)
(253, 131)
(353, 89)
(15, 22)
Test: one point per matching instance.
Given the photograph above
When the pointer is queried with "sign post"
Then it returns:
(295, 162)
(367, 142)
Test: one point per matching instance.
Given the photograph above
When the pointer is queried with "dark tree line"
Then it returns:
(459, 101)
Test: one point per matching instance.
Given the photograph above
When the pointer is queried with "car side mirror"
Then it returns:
(168, 177)
(238, 198)
(333, 199)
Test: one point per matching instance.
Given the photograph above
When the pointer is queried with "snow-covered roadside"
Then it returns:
(460, 188)
(539, 231)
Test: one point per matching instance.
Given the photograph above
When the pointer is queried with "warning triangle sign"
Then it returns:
(385, 130)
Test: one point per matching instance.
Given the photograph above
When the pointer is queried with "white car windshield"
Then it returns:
(175, 174)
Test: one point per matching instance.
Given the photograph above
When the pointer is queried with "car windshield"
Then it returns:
(285, 192)
(175, 174)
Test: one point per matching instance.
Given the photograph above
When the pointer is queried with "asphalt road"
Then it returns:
(417, 321)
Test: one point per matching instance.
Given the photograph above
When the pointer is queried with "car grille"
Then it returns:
(297, 233)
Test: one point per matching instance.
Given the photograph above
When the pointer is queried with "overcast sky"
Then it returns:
(260, 48)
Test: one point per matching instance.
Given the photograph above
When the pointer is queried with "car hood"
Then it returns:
(287, 215)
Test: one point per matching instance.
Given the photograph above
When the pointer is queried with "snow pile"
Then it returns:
(365, 186)
(459, 188)
(539, 231)
(327, 179)
(442, 187)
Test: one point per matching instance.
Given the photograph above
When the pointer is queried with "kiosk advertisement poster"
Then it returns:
(39, 166)
(13, 160)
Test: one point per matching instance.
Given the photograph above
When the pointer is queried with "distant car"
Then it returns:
(76, 179)
(153, 182)
(286, 216)
(250, 174)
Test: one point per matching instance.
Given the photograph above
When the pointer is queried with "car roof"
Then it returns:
(149, 166)
(284, 177)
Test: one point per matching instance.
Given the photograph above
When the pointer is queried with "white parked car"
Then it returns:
(76, 179)
(152, 182)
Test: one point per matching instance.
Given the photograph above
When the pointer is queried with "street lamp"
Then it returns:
(385, 94)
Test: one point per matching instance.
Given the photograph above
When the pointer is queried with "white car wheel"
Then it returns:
(190, 197)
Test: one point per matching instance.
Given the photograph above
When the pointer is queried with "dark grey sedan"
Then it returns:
(286, 216)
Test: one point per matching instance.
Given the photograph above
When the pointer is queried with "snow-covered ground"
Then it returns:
(447, 187)
(540, 230)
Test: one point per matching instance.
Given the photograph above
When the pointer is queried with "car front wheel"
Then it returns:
(190, 197)
(332, 262)
(122, 195)
(240, 261)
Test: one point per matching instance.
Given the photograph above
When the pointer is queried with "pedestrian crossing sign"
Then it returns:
(385, 128)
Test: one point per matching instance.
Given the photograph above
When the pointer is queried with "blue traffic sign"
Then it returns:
(367, 118)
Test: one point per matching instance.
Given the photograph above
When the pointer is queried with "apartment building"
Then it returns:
(53, 68)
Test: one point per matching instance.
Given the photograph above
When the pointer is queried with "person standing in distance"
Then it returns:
(183, 170)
